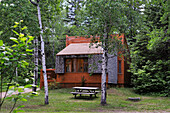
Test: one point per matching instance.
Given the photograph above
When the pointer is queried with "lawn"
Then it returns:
(60, 100)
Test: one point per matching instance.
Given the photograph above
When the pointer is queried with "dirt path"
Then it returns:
(11, 92)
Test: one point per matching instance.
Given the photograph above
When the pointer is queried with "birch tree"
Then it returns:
(42, 50)
(36, 65)
(103, 18)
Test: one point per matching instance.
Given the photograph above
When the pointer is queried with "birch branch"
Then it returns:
(34, 3)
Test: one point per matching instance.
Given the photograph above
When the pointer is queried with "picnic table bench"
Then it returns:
(85, 90)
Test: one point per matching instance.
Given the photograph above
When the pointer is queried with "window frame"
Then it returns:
(77, 65)
(119, 67)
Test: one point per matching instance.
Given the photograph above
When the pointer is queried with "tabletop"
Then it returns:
(86, 88)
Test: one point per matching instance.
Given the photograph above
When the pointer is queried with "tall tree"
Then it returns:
(150, 63)
(42, 51)
(13, 11)
(36, 65)
(72, 9)
(103, 18)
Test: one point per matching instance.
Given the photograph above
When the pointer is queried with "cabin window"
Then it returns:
(68, 65)
(85, 63)
(119, 65)
(76, 65)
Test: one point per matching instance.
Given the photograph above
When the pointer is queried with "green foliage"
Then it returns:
(54, 29)
(54, 85)
(153, 78)
(15, 62)
(1, 43)
(12, 11)
(83, 80)
(150, 52)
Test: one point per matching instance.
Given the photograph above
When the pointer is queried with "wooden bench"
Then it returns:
(86, 93)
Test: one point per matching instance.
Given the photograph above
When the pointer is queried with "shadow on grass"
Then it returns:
(84, 98)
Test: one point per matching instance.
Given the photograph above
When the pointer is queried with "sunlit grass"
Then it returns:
(60, 100)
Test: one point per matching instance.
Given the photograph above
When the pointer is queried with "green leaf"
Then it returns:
(18, 111)
(15, 32)
(1, 32)
(1, 43)
(20, 90)
(8, 97)
(24, 28)
(14, 45)
(23, 39)
(23, 99)
(14, 39)
(30, 39)
(20, 106)
(6, 58)
(27, 86)
(25, 62)
(11, 87)
(29, 50)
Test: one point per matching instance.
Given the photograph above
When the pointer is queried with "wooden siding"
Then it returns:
(69, 80)
(75, 79)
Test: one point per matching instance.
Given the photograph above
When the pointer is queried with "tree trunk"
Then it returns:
(104, 71)
(43, 57)
(34, 89)
(16, 71)
(53, 53)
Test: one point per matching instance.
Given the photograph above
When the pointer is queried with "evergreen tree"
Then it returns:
(150, 51)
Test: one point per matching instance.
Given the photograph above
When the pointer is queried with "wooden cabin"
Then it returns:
(78, 64)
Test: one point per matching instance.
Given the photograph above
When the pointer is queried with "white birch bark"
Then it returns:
(16, 71)
(104, 71)
(43, 57)
(34, 89)
(42, 51)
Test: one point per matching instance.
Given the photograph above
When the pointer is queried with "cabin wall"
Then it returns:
(68, 80)
(94, 62)
(121, 75)
(76, 79)
(95, 65)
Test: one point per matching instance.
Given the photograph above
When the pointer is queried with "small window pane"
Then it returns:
(85, 67)
(68, 65)
(85, 60)
(74, 65)
(80, 65)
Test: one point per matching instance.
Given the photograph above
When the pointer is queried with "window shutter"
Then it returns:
(94, 62)
(59, 64)
(112, 69)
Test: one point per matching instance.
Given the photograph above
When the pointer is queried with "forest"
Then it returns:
(32, 32)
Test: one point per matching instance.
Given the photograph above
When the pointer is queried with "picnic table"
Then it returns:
(85, 90)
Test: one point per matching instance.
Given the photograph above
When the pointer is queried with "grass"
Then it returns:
(61, 100)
